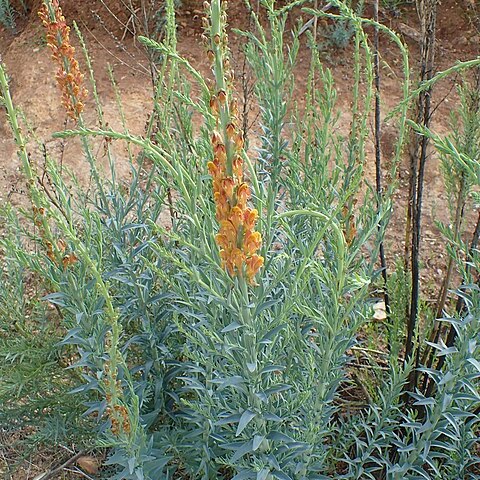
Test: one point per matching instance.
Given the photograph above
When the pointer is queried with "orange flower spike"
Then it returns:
(237, 239)
(69, 77)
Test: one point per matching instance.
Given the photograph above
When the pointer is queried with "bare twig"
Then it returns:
(378, 153)
(312, 21)
(78, 471)
(418, 157)
(145, 71)
(53, 473)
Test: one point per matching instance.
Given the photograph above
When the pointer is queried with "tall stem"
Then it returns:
(378, 152)
(428, 12)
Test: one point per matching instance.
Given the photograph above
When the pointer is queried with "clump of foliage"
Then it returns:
(393, 7)
(7, 15)
(209, 306)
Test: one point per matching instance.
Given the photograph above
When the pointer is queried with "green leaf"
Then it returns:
(257, 441)
(243, 450)
(234, 418)
(263, 474)
(474, 362)
(281, 475)
(245, 419)
(231, 327)
(268, 337)
(244, 474)
(265, 306)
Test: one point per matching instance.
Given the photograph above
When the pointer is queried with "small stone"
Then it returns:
(379, 306)
(380, 315)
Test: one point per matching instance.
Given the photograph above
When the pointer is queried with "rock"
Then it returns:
(380, 311)
(88, 464)
(380, 315)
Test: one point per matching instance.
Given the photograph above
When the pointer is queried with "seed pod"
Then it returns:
(222, 97)
(214, 104)
(234, 108)
(216, 139)
(231, 130)
(220, 152)
(239, 141)
(69, 260)
(61, 245)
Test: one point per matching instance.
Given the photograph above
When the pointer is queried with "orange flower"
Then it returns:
(250, 218)
(238, 167)
(254, 264)
(252, 242)
(236, 217)
(228, 186)
(243, 194)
